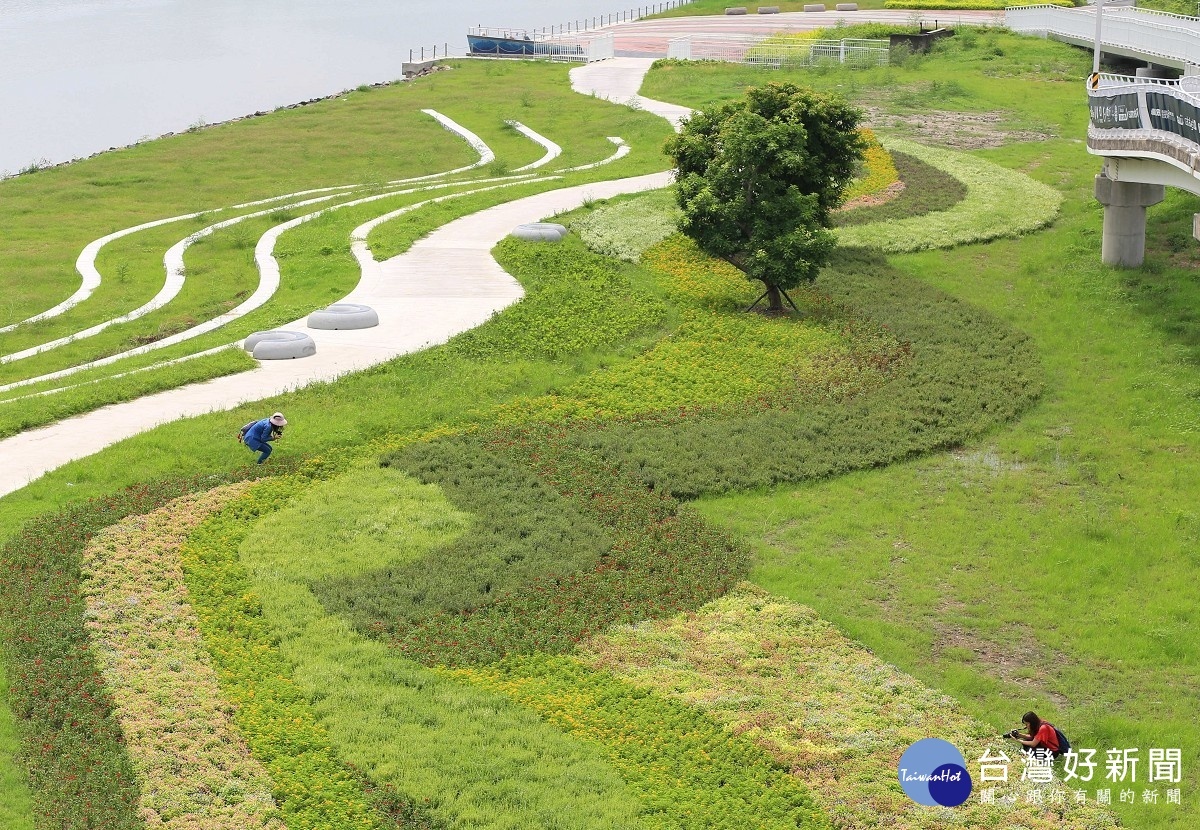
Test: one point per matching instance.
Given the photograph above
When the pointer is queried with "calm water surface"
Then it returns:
(79, 76)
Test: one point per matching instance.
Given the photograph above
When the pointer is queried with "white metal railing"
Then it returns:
(505, 43)
(1136, 33)
(754, 51)
(587, 24)
(1146, 117)
(1154, 15)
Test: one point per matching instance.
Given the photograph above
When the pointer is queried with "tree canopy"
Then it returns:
(759, 177)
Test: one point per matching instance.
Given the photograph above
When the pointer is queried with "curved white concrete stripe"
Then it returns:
(172, 285)
(445, 284)
(85, 264)
(268, 284)
(158, 365)
(618, 80)
(553, 151)
(622, 150)
(477, 144)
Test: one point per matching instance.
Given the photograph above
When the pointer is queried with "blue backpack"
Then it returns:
(1063, 744)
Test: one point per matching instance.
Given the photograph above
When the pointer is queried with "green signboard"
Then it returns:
(1118, 112)
(1174, 116)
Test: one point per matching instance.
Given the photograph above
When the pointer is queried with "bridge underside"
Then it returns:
(1122, 51)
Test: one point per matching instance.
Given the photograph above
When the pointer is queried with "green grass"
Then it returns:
(209, 168)
(410, 728)
(1051, 565)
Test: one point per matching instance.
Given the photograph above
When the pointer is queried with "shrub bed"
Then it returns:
(576, 301)
(878, 170)
(72, 747)
(627, 228)
(999, 203)
(415, 730)
(165, 692)
(313, 787)
(926, 189)
(687, 770)
(838, 717)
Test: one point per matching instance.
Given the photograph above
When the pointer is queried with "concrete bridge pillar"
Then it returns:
(1125, 204)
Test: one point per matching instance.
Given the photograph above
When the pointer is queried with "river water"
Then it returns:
(80, 76)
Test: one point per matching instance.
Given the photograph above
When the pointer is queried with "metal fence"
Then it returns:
(774, 55)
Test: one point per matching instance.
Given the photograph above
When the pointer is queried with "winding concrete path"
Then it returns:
(446, 283)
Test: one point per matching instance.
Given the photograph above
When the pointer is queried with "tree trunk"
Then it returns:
(774, 299)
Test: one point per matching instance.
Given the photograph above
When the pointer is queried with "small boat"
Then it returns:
(489, 40)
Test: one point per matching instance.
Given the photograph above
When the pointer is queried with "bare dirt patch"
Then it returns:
(1011, 661)
(881, 197)
(957, 130)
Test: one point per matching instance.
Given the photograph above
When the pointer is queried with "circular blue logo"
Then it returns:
(934, 773)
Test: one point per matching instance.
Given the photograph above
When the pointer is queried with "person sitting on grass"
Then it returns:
(1039, 735)
(259, 437)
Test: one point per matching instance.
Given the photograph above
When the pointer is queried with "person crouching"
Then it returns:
(259, 437)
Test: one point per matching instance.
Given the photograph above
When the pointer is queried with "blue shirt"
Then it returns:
(260, 433)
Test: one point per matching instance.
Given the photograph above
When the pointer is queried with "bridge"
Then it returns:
(1146, 127)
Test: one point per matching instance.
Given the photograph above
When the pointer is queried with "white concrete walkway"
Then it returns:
(619, 79)
(445, 284)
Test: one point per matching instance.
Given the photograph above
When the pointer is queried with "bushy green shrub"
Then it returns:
(625, 229)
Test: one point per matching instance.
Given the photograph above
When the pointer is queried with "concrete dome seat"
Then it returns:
(343, 316)
(280, 345)
(540, 232)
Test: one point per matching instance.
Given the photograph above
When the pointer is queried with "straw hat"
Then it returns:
(278, 420)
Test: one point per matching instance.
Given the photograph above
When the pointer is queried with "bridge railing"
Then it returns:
(1147, 118)
(1154, 15)
(1134, 32)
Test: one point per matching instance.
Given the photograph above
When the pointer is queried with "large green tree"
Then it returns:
(758, 178)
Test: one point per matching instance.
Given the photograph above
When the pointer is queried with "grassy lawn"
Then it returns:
(363, 137)
(1052, 565)
(1048, 564)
